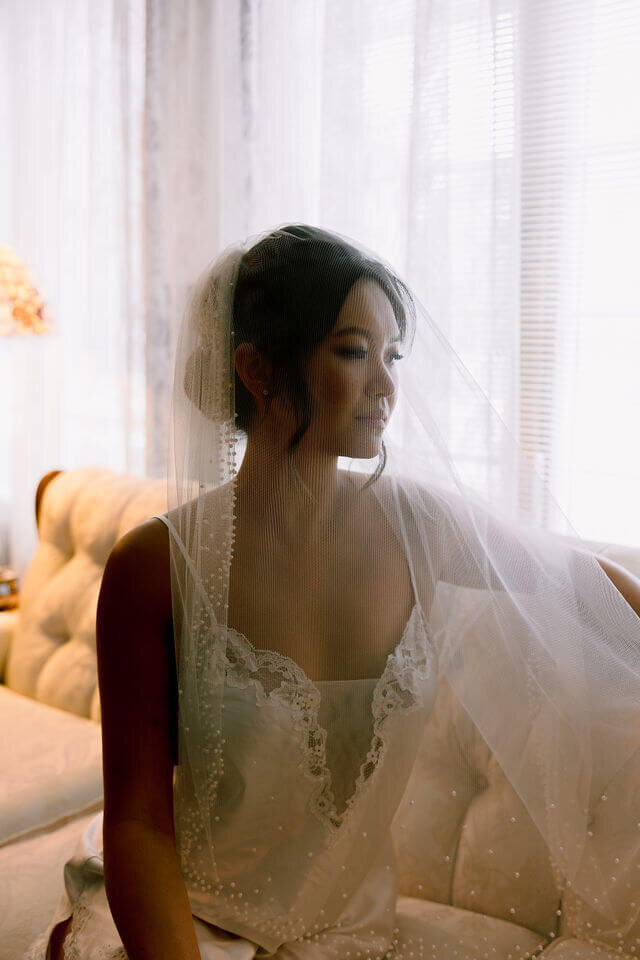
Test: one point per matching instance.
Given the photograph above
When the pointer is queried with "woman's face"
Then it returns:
(352, 376)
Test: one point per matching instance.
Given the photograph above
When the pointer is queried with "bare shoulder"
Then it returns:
(138, 568)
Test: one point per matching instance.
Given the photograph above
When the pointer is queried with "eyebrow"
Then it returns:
(365, 333)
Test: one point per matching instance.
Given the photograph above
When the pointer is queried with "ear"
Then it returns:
(254, 370)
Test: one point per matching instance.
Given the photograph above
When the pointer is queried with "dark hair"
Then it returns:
(290, 288)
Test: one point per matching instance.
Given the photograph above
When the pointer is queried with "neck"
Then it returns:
(300, 504)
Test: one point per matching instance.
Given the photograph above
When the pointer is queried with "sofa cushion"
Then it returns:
(440, 930)
(51, 764)
(83, 514)
(463, 836)
(8, 620)
(32, 884)
(573, 949)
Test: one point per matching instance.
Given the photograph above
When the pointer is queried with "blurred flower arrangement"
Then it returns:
(21, 307)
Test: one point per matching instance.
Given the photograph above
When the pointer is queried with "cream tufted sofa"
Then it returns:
(50, 751)
(457, 872)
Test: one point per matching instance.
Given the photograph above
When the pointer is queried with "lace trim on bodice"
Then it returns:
(400, 687)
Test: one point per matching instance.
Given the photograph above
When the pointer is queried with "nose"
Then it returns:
(382, 384)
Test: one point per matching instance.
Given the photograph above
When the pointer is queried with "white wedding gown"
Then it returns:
(297, 779)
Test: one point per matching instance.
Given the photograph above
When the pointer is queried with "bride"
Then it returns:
(270, 649)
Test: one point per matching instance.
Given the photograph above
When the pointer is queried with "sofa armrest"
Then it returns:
(9, 618)
(8, 621)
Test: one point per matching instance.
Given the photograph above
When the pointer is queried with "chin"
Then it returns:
(362, 449)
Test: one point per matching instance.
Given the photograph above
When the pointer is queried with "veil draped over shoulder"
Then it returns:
(334, 563)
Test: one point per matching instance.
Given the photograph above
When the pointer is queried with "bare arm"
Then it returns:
(462, 536)
(143, 882)
(475, 548)
(461, 567)
(624, 582)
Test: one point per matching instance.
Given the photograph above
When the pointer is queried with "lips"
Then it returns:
(376, 419)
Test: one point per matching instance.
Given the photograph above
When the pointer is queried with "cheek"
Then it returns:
(335, 384)
(340, 388)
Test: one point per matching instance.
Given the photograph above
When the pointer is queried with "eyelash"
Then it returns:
(358, 353)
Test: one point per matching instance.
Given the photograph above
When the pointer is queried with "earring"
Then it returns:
(266, 393)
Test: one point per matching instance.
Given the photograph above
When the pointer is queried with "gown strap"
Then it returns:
(178, 539)
(414, 587)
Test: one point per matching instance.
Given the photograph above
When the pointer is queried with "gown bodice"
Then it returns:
(299, 821)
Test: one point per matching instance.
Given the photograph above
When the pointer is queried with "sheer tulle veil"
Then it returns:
(443, 567)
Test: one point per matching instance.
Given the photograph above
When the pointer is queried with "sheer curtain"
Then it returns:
(490, 150)
(71, 168)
